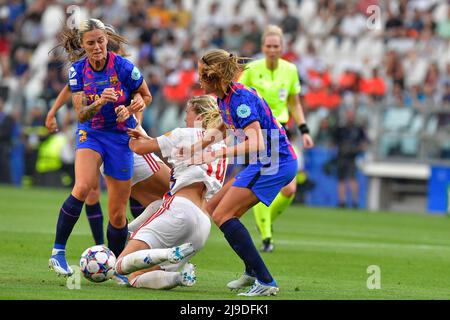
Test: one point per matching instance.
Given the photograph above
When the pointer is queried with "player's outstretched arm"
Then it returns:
(254, 143)
(61, 99)
(141, 143)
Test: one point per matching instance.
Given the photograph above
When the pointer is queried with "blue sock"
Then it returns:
(116, 238)
(136, 208)
(68, 216)
(95, 217)
(240, 240)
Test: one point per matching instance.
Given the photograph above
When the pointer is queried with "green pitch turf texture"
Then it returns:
(320, 254)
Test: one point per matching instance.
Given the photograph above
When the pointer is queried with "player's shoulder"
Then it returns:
(78, 65)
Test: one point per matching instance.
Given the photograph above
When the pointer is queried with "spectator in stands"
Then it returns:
(289, 23)
(392, 27)
(446, 94)
(394, 68)
(6, 133)
(443, 27)
(431, 83)
(350, 140)
(374, 86)
(353, 24)
(253, 34)
(416, 26)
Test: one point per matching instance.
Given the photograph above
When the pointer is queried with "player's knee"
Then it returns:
(93, 196)
(117, 219)
(81, 190)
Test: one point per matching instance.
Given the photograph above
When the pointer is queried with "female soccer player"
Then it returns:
(243, 110)
(277, 82)
(179, 227)
(102, 84)
(150, 175)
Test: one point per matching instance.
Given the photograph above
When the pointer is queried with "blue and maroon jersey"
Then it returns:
(118, 73)
(244, 105)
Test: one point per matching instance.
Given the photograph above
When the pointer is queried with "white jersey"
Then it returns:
(212, 174)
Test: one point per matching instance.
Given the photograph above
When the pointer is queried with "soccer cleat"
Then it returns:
(260, 289)
(244, 281)
(178, 253)
(267, 245)
(58, 263)
(188, 277)
(120, 279)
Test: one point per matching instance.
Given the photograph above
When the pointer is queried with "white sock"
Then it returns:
(151, 208)
(143, 259)
(157, 279)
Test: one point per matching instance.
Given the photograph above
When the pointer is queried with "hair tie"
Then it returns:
(231, 55)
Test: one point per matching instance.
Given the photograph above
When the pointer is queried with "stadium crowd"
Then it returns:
(351, 55)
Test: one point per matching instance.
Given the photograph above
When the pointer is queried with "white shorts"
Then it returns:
(178, 220)
(143, 167)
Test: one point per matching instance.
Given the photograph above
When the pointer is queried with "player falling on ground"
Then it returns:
(179, 227)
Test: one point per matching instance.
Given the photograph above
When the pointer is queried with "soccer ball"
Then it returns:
(97, 263)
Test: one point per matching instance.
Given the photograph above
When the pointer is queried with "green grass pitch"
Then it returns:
(320, 254)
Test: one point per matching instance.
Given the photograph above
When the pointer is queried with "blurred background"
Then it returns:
(381, 66)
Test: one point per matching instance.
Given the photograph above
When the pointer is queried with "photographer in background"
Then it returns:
(350, 140)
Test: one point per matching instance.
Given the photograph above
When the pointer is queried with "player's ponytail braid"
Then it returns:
(221, 68)
(206, 107)
(70, 41)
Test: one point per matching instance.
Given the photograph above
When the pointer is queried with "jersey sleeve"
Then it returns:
(129, 74)
(244, 109)
(168, 142)
(295, 87)
(75, 78)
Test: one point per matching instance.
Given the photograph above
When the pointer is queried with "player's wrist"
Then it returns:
(303, 128)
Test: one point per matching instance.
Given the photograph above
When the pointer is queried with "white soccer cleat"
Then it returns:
(259, 289)
(244, 281)
(58, 263)
(178, 253)
(188, 277)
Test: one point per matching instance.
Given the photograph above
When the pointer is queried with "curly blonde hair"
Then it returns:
(221, 68)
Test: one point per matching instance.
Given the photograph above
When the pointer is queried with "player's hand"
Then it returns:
(50, 123)
(137, 104)
(122, 113)
(108, 95)
(135, 134)
(307, 141)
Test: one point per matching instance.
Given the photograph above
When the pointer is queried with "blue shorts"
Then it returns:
(266, 182)
(112, 147)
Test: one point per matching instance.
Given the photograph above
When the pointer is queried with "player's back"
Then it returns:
(211, 175)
